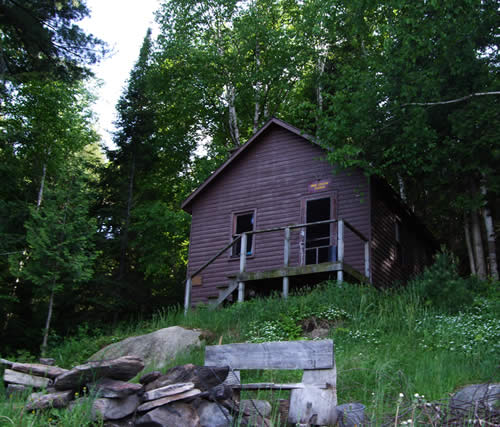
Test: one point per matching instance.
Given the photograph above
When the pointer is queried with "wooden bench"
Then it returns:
(312, 401)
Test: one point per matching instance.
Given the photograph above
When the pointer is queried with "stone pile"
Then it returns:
(186, 395)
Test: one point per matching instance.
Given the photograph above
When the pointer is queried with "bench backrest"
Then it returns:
(272, 355)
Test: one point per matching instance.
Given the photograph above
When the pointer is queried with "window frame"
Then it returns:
(234, 216)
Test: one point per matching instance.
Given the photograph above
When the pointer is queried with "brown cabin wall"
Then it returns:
(272, 177)
(416, 251)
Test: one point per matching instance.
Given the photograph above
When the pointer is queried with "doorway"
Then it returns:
(319, 239)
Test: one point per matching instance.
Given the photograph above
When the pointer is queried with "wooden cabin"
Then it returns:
(299, 221)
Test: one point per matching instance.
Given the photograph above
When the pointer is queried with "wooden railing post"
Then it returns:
(286, 261)
(340, 249)
(367, 259)
(187, 296)
(243, 264)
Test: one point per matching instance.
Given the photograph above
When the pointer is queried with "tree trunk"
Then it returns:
(47, 323)
(478, 246)
(468, 242)
(126, 226)
(490, 236)
(258, 89)
(42, 185)
(233, 118)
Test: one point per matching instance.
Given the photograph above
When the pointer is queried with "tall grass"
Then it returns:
(386, 343)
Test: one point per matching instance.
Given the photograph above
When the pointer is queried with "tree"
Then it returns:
(39, 36)
(384, 111)
(59, 237)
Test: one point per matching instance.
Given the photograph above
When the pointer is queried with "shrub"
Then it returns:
(441, 286)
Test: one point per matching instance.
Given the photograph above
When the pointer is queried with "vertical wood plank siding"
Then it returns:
(272, 177)
(416, 250)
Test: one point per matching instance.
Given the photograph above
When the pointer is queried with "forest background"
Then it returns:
(405, 90)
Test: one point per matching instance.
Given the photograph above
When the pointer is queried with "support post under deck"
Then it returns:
(286, 262)
(243, 263)
(340, 248)
(187, 296)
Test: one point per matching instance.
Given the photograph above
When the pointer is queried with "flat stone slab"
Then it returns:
(56, 400)
(38, 369)
(168, 390)
(203, 377)
(123, 368)
(114, 389)
(114, 409)
(14, 377)
(156, 348)
(164, 400)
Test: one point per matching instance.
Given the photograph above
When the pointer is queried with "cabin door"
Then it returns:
(318, 242)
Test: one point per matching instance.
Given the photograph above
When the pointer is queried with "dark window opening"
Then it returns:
(318, 237)
(243, 223)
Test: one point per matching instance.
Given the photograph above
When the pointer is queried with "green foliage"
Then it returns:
(40, 37)
(442, 287)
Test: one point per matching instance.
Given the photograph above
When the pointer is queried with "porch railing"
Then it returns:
(342, 224)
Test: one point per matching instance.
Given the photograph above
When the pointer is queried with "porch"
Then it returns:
(318, 257)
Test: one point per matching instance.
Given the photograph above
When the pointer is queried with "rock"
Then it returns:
(254, 406)
(203, 377)
(487, 396)
(156, 348)
(164, 400)
(123, 368)
(10, 376)
(168, 390)
(176, 414)
(214, 415)
(350, 414)
(114, 389)
(219, 392)
(124, 422)
(38, 369)
(47, 361)
(150, 377)
(114, 409)
(56, 400)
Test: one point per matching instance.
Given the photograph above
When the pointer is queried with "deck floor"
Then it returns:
(302, 270)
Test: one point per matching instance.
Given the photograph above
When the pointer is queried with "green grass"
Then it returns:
(385, 344)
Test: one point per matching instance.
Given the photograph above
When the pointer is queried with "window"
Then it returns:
(242, 223)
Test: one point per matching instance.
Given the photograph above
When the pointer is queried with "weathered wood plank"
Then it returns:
(311, 405)
(272, 386)
(224, 294)
(290, 271)
(275, 355)
(10, 376)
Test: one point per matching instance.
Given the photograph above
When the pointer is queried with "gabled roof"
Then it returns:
(272, 122)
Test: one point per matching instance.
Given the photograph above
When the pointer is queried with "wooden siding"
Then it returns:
(390, 265)
(272, 177)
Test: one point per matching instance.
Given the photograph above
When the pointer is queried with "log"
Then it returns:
(163, 401)
(38, 369)
(275, 355)
(14, 377)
